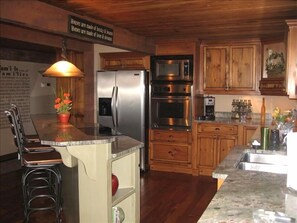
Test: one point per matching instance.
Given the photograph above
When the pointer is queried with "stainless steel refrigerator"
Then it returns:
(123, 105)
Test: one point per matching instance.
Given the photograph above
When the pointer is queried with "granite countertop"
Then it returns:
(54, 133)
(228, 120)
(243, 193)
(225, 118)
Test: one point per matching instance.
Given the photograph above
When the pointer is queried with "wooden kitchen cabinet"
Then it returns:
(206, 154)
(124, 61)
(212, 143)
(230, 68)
(170, 151)
(215, 67)
(291, 59)
(245, 133)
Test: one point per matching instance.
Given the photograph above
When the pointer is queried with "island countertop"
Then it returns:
(74, 133)
(90, 157)
(243, 193)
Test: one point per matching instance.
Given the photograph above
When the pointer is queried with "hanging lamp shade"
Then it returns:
(63, 68)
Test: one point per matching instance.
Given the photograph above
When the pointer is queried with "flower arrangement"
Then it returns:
(63, 104)
(281, 119)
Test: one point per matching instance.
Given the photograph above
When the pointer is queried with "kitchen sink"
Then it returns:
(272, 163)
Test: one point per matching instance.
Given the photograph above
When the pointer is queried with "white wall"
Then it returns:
(223, 102)
(41, 100)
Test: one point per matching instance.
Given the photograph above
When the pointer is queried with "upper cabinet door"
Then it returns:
(242, 68)
(216, 67)
(124, 61)
(231, 68)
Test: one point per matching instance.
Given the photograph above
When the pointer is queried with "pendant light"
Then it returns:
(63, 68)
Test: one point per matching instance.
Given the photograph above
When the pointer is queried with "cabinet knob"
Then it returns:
(172, 153)
(171, 139)
(217, 129)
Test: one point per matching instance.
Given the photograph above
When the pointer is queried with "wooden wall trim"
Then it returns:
(41, 16)
(25, 34)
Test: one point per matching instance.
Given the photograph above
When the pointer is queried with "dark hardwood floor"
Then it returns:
(165, 198)
(174, 198)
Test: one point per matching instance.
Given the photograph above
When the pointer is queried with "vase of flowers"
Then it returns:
(63, 105)
(283, 121)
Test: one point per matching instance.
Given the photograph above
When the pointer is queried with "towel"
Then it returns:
(292, 160)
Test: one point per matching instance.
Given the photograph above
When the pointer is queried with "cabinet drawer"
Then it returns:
(217, 129)
(171, 136)
(169, 152)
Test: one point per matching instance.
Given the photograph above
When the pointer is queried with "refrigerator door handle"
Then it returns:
(113, 112)
(116, 106)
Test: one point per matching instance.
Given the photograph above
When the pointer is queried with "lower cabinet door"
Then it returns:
(207, 154)
(225, 144)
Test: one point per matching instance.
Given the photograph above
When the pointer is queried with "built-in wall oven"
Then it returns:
(171, 105)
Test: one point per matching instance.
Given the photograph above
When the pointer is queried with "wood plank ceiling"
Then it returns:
(198, 19)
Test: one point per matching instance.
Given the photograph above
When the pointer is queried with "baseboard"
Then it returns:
(9, 156)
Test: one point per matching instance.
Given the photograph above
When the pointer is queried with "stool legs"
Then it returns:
(42, 183)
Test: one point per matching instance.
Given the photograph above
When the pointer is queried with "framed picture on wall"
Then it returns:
(274, 60)
(274, 69)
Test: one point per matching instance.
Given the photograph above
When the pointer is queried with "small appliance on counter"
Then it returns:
(206, 108)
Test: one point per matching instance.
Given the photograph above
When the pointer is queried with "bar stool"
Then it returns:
(29, 145)
(41, 177)
(28, 138)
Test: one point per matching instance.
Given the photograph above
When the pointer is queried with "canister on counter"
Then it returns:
(264, 137)
(274, 139)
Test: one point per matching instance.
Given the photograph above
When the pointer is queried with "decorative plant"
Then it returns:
(275, 63)
(283, 121)
(281, 118)
(63, 104)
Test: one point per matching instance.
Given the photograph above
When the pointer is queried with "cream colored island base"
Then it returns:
(87, 183)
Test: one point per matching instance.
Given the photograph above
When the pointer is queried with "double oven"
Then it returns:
(171, 92)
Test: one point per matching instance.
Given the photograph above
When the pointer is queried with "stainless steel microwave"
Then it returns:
(172, 68)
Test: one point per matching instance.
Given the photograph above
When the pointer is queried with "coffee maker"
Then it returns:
(205, 108)
(209, 108)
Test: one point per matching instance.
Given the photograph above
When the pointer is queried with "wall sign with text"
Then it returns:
(88, 29)
(15, 88)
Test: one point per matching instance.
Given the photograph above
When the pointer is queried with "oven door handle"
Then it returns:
(172, 98)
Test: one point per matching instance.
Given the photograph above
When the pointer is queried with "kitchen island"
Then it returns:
(89, 159)
(244, 193)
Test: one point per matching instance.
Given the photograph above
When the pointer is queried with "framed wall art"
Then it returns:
(273, 69)
(274, 60)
